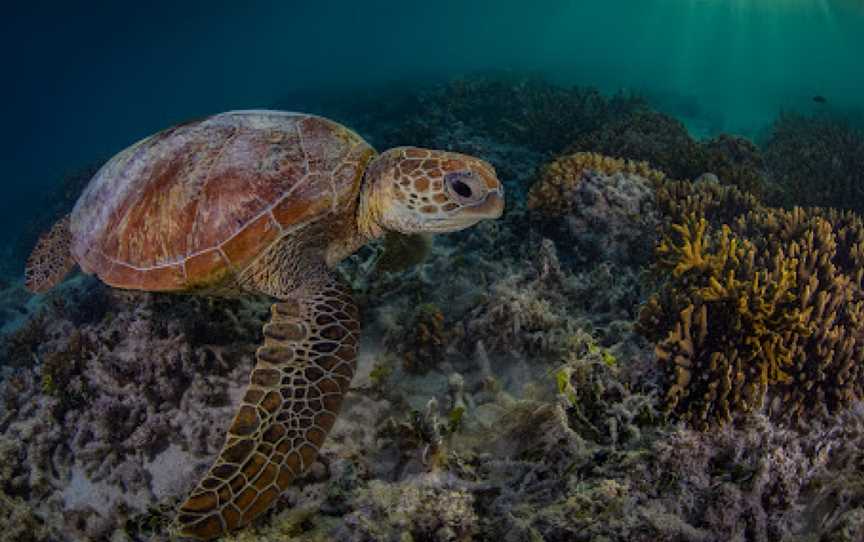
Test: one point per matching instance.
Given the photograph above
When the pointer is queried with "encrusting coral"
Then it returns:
(555, 191)
(606, 206)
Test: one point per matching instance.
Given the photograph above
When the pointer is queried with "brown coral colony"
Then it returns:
(759, 307)
(765, 309)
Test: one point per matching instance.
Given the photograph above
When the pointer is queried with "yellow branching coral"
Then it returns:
(719, 204)
(731, 330)
(768, 305)
(691, 250)
(553, 191)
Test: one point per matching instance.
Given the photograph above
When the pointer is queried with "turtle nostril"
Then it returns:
(461, 188)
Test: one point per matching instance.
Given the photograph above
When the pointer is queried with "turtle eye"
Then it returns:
(463, 186)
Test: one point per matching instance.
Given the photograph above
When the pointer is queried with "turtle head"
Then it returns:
(412, 190)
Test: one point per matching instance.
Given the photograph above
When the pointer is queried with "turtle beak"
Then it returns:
(492, 205)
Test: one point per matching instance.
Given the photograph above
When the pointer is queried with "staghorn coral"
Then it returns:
(720, 385)
(718, 204)
(766, 305)
(827, 372)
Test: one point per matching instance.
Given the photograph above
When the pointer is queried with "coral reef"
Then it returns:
(530, 409)
(105, 409)
(770, 301)
(557, 188)
(664, 143)
(509, 108)
(816, 161)
(649, 136)
(605, 205)
(739, 162)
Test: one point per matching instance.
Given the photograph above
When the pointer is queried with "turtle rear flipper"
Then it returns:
(295, 392)
(51, 259)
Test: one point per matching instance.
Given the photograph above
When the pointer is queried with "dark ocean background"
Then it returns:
(84, 80)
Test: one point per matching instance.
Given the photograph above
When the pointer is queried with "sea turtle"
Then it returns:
(265, 202)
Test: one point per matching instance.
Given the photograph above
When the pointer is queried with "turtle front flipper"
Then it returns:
(304, 369)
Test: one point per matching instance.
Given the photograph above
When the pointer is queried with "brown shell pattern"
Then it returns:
(183, 208)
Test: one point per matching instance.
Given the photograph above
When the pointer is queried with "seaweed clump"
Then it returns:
(767, 305)
(20, 346)
(60, 371)
(422, 345)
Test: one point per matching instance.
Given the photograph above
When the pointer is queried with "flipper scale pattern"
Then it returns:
(303, 370)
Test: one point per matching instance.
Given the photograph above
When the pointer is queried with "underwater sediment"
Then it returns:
(627, 354)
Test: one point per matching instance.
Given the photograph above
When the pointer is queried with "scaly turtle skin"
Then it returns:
(264, 202)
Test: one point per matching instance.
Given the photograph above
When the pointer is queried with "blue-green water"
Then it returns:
(84, 81)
